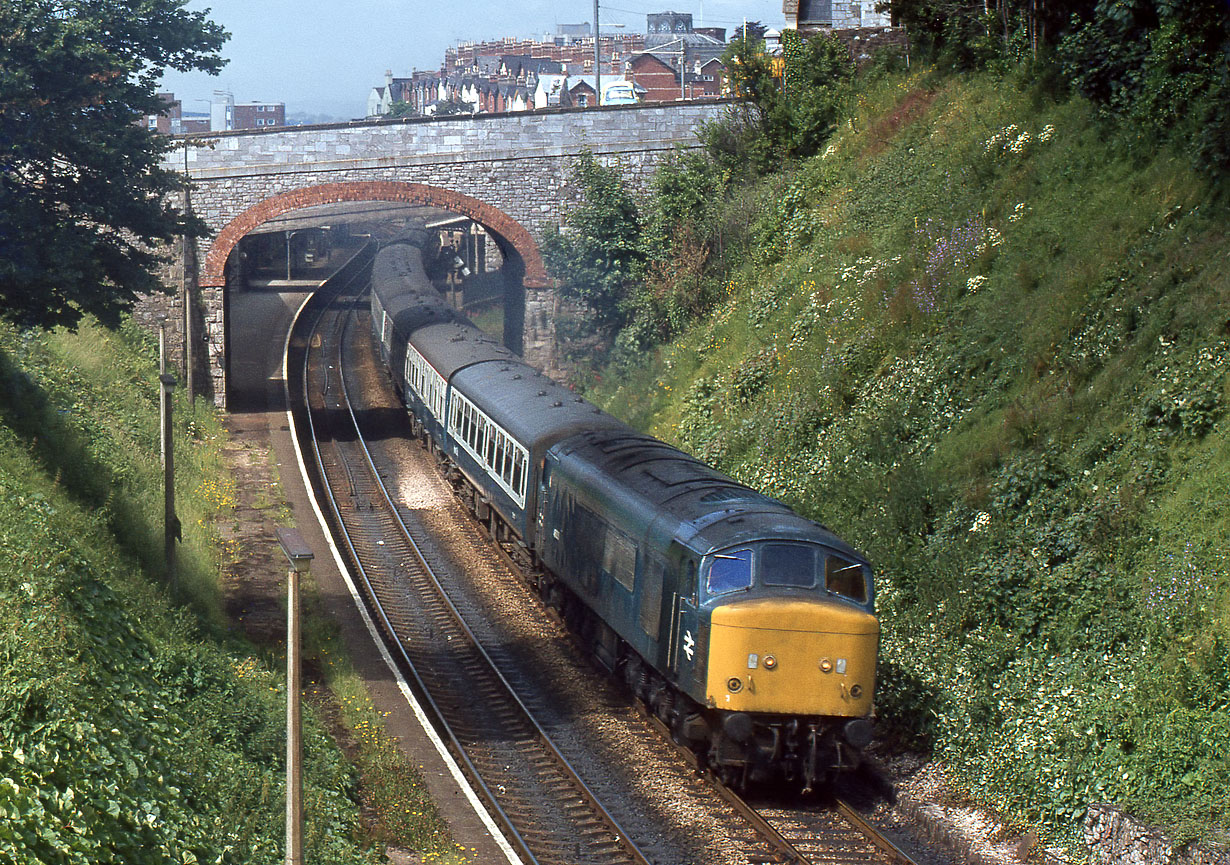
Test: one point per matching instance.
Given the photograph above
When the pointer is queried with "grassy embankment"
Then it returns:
(985, 339)
(133, 729)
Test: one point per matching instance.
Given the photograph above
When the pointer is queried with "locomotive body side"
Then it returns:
(760, 620)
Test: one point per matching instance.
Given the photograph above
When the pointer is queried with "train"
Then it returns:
(748, 630)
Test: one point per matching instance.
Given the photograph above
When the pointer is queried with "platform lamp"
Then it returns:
(299, 554)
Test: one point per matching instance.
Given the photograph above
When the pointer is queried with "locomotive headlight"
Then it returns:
(826, 666)
(769, 662)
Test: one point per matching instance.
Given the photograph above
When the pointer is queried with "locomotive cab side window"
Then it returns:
(845, 578)
(730, 571)
(788, 565)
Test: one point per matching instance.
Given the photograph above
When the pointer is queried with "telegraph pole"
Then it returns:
(597, 60)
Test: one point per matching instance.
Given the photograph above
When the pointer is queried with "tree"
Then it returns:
(600, 255)
(402, 109)
(790, 114)
(83, 198)
(1162, 65)
(966, 34)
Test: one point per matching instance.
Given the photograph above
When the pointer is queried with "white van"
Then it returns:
(619, 93)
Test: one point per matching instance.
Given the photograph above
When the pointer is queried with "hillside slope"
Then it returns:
(990, 349)
(130, 730)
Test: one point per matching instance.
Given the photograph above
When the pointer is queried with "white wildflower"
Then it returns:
(980, 522)
(974, 283)
(1047, 133)
(1017, 213)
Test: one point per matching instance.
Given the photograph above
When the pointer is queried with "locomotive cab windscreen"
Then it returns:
(787, 564)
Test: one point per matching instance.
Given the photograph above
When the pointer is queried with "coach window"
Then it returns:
(845, 578)
(518, 476)
(730, 571)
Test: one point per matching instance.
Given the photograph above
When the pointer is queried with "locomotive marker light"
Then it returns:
(299, 554)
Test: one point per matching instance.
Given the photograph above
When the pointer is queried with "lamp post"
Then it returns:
(170, 522)
(162, 343)
(299, 554)
(289, 235)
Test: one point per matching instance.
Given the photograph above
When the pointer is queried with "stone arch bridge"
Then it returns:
(507, 172)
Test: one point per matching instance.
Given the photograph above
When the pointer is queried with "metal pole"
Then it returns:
(162, 345)
(683, 66)
(288, 234)
(170, 523)
(597, 60)
(294, 726)
(300, 556)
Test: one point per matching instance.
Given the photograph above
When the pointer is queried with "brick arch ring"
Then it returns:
(514, 233)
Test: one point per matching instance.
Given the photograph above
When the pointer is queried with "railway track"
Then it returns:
(545, 809)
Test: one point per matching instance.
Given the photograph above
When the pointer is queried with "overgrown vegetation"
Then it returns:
(131, 730)
(984, 335)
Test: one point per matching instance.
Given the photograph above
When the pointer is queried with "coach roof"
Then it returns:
(533, 408)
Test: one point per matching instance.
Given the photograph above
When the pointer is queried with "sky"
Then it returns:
(322, 57)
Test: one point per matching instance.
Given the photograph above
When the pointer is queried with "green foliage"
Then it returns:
(402, 109)
(599, 252)
(988, 347)
(126, 733)
(82, 192)
(400, 810)
(1161, 66)
(780, 119)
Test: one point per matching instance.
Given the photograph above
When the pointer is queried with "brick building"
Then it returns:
(173, 121)
(258, 115)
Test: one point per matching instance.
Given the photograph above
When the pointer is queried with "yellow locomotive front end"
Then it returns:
(790, 668)
(792, 657)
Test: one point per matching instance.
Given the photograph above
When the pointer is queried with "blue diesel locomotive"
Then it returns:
(745, 628)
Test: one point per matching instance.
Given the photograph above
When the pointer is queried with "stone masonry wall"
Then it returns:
(513, 168)
(1116, 839)
(516, 163)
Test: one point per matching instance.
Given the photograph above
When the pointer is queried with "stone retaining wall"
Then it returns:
(1116, 839)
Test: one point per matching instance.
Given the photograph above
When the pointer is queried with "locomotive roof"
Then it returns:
(712, 511)
(535, 409)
